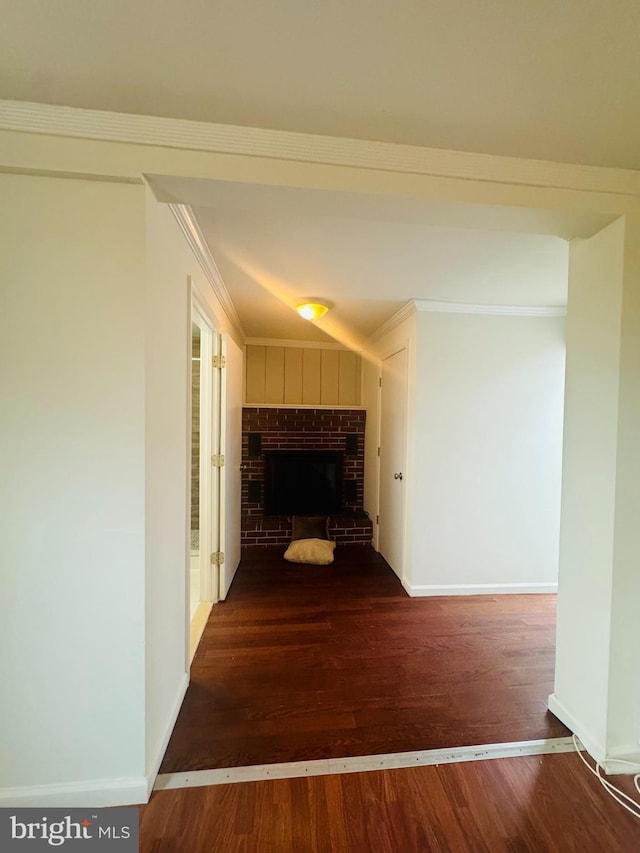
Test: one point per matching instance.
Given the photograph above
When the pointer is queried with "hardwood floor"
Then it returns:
(305, 662)
(537, 804)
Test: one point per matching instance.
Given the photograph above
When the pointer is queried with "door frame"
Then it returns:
(209, 533)
(230, 517)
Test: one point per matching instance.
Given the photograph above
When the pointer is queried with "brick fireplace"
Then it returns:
(265, 429)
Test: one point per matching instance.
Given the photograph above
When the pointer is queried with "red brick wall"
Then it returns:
(276, 530)
(301, 429)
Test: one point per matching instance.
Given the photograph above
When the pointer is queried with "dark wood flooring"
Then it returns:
(537, 804)
(305, 662)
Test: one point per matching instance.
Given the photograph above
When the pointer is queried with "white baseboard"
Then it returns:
(416, 590)
(93, 793)
(593, 746)
(163, 742)
(96, 793)
(623, 759)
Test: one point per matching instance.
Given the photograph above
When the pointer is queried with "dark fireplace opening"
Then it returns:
(303, 482)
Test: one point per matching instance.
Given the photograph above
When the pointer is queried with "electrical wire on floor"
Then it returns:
(631, 805)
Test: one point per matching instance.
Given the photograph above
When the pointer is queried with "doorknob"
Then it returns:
(397, 476)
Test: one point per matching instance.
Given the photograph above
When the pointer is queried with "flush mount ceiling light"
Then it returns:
(311, 309)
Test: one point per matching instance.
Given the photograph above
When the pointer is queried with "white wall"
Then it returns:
(72, 523)
(488, 451)
(593, 322)
(597, 690)
(172, 271)
(167, 313)
(623, 699)
(94, 361)
(484, 447)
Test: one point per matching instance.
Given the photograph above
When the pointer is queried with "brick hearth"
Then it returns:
(302, 429)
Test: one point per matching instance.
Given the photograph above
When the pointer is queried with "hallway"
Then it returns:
(308, 662)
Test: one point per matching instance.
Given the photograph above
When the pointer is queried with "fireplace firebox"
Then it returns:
(303, 482)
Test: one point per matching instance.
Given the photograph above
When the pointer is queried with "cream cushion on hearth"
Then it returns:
(317, 552)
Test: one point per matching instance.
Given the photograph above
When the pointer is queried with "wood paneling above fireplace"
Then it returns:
(301, 376)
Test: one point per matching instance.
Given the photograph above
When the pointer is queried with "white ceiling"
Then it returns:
(368, 255)
(541, 79)
(546, 80)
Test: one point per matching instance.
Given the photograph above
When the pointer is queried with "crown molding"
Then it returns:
(276, 342)
(48, 119)
(198, 244)
(492, 310)
(415, 305)
(389, 325)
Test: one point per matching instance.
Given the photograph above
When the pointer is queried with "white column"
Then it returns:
(623, 724)
(597, 688)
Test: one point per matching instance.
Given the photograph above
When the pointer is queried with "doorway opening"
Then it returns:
(194, 562)
(216, 407)
(202, 581)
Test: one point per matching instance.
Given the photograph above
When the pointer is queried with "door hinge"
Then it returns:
(378, 451)
(380, 382)
(377, 519)
(219, 361)
(217, 558)
(217, 460)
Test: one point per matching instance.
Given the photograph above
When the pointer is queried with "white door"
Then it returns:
(231, 449)
(204, 486)
(212, 587)
(392, 479)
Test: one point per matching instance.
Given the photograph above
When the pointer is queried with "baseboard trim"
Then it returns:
(96, 793)
(595, 749)
(623, 760)
(164, 740)
(92, 793)
(416, 590)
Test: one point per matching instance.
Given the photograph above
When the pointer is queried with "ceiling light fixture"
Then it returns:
(311, 309)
